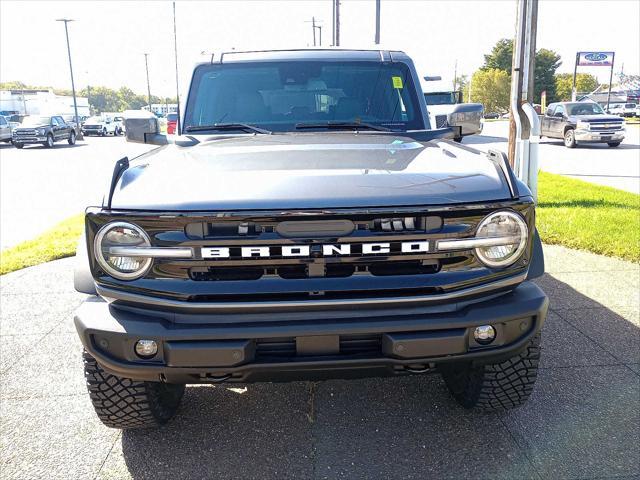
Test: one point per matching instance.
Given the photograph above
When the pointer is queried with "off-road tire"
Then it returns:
(613, 144)
(495, 387)
(103, 132)
(570, 138)
(18, 145)
(125, 403)
(50, 141)
(72, 138)
(458, 139)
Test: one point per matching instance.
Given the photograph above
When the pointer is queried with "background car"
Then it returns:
(5, 130)
(491, 115)
(101, 125)
(629, 110)
(172, 122)
(43, 129)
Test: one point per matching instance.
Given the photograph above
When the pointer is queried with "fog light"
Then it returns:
(146, 348)
(484, 334)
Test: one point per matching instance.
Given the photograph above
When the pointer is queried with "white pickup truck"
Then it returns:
(102, 125)
(446, 109)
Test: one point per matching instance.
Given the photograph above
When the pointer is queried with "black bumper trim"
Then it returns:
(113, 295)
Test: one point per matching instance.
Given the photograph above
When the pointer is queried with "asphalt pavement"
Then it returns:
(40, 187)
(596, 163)
(582, 421)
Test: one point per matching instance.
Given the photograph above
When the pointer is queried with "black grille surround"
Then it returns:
(314, 278)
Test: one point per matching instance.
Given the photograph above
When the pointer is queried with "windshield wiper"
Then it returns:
(226, 126)
(342, 125)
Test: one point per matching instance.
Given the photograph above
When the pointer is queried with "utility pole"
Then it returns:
(146, 65)
(337, 8)
(175, 52)
(333, 23)
(455, 75)
(377, 22)
(73, 86)
(524, 123)
(314, 26)
(613, 59)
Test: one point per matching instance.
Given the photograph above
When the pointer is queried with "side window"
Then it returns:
(54, 121)
(550, 110)
(3, 121)
(559, 112)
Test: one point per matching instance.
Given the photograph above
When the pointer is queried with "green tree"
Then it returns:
(491, 88)
(585, 83)
(501, 56)
(547, 62)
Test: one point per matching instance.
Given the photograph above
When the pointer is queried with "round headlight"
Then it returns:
(121, 234)
(510, 230)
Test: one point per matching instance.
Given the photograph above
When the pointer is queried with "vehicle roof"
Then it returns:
(309, 54)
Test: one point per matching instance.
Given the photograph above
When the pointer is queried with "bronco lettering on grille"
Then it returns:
(326, 250)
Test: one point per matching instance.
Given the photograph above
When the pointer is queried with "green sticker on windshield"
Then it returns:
(397, 82)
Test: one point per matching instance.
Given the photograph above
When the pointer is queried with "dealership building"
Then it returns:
(40, 102)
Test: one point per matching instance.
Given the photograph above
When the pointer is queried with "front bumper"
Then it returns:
(28, 139)
(326, 346)
(599, 137)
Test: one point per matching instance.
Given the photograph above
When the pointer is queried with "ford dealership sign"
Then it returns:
(595, 59)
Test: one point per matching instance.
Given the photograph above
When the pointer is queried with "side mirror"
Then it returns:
(559, 115)
(144, 130)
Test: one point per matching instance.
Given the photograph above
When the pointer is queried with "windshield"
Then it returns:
(280, 95)
(441, 98)
(585, 108)
(36, 120)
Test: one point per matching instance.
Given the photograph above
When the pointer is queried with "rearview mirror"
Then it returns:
(144, 130)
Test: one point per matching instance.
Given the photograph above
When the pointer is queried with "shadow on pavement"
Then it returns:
(604, 146)
(57, 146)
(582, 420)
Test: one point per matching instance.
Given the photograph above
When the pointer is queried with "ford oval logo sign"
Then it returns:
(595, 57)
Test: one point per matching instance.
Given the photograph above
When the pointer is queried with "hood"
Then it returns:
(602, 118)
(308, 171)
(31, 127)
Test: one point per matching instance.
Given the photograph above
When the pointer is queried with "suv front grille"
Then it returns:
(317, 272)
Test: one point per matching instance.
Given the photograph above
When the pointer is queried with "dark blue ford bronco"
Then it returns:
(307, 223)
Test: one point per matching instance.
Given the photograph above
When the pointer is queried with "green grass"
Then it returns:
(590, 217)
(58, 242)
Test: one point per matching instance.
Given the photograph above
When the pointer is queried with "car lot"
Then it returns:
(582, 420)
(40, 187)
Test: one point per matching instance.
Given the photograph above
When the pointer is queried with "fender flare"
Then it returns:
(536, 267)
(82, 278)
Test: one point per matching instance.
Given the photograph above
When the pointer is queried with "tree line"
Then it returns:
(101, 99)
(491, 84)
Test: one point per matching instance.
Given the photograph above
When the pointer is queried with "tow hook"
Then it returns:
(419, 368)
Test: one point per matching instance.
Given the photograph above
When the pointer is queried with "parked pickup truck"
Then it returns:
(447, 109)
(101, 125)
(309, 224)
(45, 130)
(582, 122)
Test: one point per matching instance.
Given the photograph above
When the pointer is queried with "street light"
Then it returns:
(73, 86)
